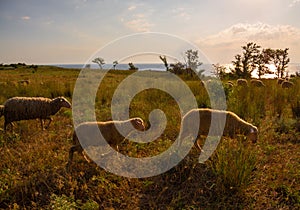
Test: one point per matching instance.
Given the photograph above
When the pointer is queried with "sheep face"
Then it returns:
(138, 123)
(253, 135)
(63, 102)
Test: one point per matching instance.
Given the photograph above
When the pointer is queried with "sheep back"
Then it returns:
(233, 124)
(26, 108)
(242, 82)
(257, 83)
(88, 131)
(287, 84)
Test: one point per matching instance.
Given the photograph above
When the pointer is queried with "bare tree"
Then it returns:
(164, 60)
(99, 61)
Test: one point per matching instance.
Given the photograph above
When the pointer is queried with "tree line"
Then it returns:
(254, 57)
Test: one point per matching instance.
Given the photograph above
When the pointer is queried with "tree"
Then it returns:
(246, 63)
(280, 60)
(262, 60)
(99, 61)
(191, 59)
(177, 68)
(219, 71)
(164, 60)
(115, 63)
(132, 67)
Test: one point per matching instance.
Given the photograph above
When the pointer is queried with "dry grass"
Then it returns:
(238, 176)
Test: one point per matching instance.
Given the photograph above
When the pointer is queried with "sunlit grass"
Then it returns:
(239, 174)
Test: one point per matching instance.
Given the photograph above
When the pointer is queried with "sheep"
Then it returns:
(242, 82)
(24, 82)
(229, 84)
(26, 108)
(108, 129)
(279, 81)
(233, 124)
(257, 83)
(287, 84)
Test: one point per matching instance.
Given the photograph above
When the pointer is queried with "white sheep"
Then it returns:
(26, 108)
(257, 83)
(87, 132)
(242, 82)
(233, 124)
(287, 84)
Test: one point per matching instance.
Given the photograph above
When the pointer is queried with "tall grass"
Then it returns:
(239, 174)
(233, 163)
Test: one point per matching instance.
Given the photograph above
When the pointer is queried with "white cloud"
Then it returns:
(139, 24)
(294, 3)
(181, 13)
(225, 44)
(132, 7)
(25, 18)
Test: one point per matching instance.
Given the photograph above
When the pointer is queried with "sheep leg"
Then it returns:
(42, 124)
(50, 120)
(74, 148)
(6, 124)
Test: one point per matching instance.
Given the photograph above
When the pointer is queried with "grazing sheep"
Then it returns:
(242, 82)
(257, 83)
(1, 110)
(26, 108)
(24, 82)
(287, 84)
(233, 124)
(108, 130)
(229, 84)
(280, 80)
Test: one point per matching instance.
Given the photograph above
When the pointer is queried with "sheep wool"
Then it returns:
(27, 108)
(109, 131)
(233, 124)
(242, 82)
(257, 83)
(287, 84)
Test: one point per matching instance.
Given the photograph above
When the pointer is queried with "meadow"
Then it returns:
(239, 175)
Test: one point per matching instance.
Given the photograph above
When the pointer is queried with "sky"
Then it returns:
(61, 32)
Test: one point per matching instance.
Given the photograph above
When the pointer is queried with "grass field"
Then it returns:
(239, 175)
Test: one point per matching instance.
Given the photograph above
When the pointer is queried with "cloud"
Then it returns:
(139, 25)
(25, 18)
(132, 7)
(181, 13)
(228, 42)
(294, 3)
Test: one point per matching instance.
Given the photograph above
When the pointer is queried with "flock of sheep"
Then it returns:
(258, 83)
(26, 108)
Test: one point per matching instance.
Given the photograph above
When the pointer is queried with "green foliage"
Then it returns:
(62, 202)
(233, 163)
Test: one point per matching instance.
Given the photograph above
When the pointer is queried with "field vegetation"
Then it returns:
(239, 175)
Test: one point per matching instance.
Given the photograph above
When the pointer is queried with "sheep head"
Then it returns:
(253, 134)
(62, 102)
(138, 123)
